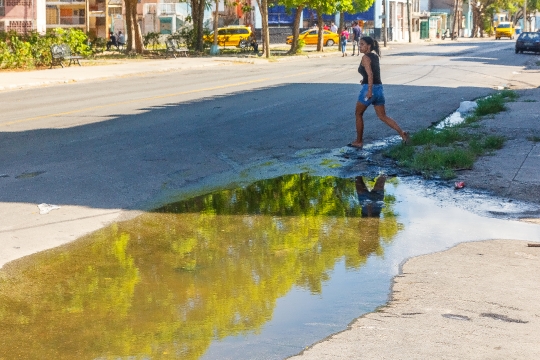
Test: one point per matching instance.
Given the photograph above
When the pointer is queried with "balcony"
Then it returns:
(166, 9)
(65, 22)
(71, 20)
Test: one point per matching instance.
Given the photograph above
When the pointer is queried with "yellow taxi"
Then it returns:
(230, 35)
(505, 29)
(311, 37)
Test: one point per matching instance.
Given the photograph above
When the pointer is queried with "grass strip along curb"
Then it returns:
(441, 152)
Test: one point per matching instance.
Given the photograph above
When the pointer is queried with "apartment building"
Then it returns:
(22, 15)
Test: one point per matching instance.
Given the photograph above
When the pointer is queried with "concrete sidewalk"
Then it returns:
(514, 171)
(12, 80)
(111, 68)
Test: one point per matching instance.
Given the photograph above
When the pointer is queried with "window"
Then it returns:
(243, 31)
(2, 11)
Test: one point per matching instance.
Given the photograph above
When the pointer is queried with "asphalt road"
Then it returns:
(132, 143)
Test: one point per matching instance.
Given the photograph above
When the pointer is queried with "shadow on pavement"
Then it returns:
(127, 160)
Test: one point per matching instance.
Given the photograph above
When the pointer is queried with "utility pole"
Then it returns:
(409, 20)
(385, 18)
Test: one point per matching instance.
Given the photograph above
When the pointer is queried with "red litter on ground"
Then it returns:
(459, 185)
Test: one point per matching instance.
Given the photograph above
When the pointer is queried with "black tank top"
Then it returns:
(375, 69)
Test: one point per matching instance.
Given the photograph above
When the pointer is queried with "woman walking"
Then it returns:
(343, 42)
(372, 91)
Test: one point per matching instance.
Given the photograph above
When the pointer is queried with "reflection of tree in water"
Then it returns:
(166, 284)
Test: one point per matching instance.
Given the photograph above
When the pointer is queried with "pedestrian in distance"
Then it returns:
(253, 43)
(333, 27)
(121, 39)
(371, 92)
(112, 41)
(357, 34)
(343, 42)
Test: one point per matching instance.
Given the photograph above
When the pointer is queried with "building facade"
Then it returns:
(22, 15)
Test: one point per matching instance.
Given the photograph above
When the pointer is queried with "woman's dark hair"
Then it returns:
(373, 43)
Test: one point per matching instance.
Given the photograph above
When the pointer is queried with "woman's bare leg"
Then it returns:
(359, 113)
(381, 113)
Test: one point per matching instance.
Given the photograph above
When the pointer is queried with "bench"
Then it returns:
(61, 53)
(173, 49)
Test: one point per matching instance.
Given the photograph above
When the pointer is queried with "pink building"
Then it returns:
(22, 15)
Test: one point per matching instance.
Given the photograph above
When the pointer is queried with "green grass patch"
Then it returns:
(441, 152)
(534, 138)
(530, 100)
(442, 137)
(495, 103)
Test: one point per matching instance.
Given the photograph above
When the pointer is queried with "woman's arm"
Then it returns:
(366, 62)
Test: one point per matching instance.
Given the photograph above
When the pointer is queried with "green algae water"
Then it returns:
(257, 272)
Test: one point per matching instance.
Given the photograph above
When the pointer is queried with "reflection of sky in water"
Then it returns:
(301, 319)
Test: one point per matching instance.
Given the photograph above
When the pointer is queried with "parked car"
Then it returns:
(230, 35)
(528, 41)
(311, 37)
(505, 29)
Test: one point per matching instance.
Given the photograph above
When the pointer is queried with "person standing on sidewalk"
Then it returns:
(333, 27)
(357, 35)
(343, 37)
(372, 92)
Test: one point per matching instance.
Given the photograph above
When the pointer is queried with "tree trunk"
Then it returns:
(474, 28)
(320, 35)
(195, 13)
(341, 21)
(129, 25)
(263, 9)
(200, 26)
(296, 30)
(456, 24)
(137, 37)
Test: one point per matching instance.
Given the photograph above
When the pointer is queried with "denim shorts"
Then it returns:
(377, 95)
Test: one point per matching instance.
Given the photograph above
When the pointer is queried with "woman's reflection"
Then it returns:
(371, 201)
(372, 204)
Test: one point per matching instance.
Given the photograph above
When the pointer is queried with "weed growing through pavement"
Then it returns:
(495, 103)
(441, 152)
(534, 138)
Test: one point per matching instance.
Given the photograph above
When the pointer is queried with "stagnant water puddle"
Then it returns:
(257, 272)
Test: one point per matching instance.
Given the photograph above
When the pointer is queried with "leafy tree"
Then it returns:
(299, 6)
(323, 7)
